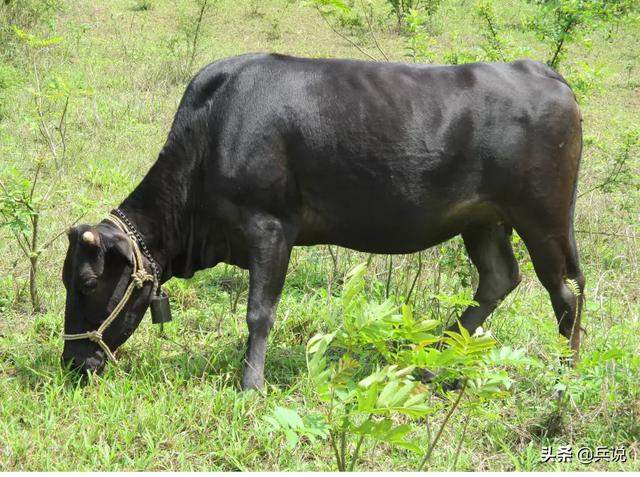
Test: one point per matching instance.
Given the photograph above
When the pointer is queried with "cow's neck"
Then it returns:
(161, 215)
(152, 227)
(179, 237)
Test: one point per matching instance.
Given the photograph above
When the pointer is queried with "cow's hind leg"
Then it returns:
(269, 252)
(555, 260)
(490, 251)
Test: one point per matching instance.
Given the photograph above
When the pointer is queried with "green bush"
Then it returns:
(560, 22)
(25, 14)
(362, 375)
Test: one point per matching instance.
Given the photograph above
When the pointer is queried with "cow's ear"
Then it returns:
(116, 241)
(72, 233)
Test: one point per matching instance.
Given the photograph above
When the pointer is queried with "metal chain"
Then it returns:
(143, 247)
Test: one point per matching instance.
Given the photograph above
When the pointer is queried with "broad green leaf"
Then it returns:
(292, 438)
(288, 417)
(396, 434)
(409, 446)
(315, 425)
(367, 399)
(385, 399)
(402, 394)
(375, 377)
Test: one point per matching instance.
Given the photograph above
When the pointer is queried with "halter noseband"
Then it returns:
(139, 277)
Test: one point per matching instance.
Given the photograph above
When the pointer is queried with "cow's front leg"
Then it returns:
(269, 252)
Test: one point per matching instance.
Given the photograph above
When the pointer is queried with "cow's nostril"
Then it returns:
(88, 365)
(93, 365)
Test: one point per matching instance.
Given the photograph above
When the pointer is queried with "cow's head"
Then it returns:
(97, 271)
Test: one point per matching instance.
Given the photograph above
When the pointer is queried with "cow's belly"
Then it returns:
(393, 237)
(389, 220)
(371, 238)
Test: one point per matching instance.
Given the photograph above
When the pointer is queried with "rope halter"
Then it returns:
(139, 277)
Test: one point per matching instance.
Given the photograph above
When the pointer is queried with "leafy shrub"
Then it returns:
(289, 422)
(584, 79)
(459, 57)
(24, 14)
(494, 40)
(183, 45)
(142, 6)
(419, 43)
(363, 376)
(22, 201)
(560, 22)
(618, 173)
(402, 9)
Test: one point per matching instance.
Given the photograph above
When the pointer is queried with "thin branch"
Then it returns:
(42, 126)
(459, 447)
(48, 243)
(21, 238)
(427, 456)
(552, 63)
(344, 37)
(334, 259)
(23, 242)
(386, 293)
(375, 40)
(62, 131)
(343, 447)
(336, 452)
(570, 24)
(493, 34)
(354, 458)
(415, 279)
(35, 181)
(33, 272)
(194, 45)
(612, 178)
(610, 234)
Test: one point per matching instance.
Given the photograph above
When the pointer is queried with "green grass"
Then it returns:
(174, 403)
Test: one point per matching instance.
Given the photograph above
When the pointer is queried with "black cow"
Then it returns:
(269, 151)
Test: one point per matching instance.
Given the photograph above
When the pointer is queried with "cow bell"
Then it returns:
(160, 309)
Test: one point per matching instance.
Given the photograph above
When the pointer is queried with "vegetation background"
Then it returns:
(87, 94)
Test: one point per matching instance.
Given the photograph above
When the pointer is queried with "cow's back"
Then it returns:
(378, 155)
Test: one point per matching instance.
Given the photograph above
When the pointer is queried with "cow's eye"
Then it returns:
(89, 285)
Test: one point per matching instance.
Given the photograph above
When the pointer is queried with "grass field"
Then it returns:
(174, 403)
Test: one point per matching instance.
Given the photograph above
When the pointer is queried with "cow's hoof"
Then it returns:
(424, 375)
(427, 377)
(550, 426)
(251, 381)
(452, 385)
